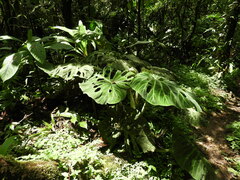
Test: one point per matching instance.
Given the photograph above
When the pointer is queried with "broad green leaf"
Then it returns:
(37, 51)
(6, 37)
(46, 67)
(158, 90)
(60, 45)
(83, 124)
(190, 158)
(144, 142)
(72, 70)
(72, 32)
(6, 146)
(81, 28)
(107, 88)
(10, 66)
(63, 39)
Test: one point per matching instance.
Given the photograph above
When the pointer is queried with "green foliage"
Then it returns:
(6, 147)
(37, 51)
(204, 88)
(74, 118)
(232, 80)
(31, 52)
(78, 158)
(6, 37)
(109, 87)
(235, 169)
(81, 38)
(10, 66)
(234, 137)
(190, 158)
(68, 71)
(158, 90)
(165, 33)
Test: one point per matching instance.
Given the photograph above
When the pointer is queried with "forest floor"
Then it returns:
(213, 137)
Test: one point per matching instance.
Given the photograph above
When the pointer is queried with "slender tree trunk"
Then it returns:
(139, 23)
(139, 20)
(196, 17)
(89, 9)
(67, 13)
(232, 21)
(2, 19)
(6, 10)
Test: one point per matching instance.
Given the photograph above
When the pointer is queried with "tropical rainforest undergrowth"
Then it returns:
(133, 90)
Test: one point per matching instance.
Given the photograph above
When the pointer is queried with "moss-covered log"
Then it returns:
(10, 169)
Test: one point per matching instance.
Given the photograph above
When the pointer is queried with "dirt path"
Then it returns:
(213, 142)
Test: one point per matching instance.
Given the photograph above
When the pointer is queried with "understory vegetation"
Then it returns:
(117, 90)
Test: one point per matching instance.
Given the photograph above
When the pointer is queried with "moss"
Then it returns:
(10, 169)
(112, 163)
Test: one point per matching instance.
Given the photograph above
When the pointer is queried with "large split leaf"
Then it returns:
(107, 88)
(190, 158)
(37, 51)
(10, 66)
(158, 90)
(68, 71)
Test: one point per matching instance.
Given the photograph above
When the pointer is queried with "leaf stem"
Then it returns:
(139, 114)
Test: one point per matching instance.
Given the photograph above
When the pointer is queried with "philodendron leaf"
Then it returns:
(37, 51)
(67, 71)
(70, 71)
(10, 66)
(158, 90)
(107, 88)
(190, 158)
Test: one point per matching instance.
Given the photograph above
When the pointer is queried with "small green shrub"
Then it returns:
(234, 137)
(232, 81)
(235, 169)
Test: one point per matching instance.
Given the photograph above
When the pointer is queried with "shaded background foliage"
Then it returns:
(182, 29)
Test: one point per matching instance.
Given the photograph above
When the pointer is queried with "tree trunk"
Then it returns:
(232, 21)
(139, 20)
(67, 13)
(7, 13)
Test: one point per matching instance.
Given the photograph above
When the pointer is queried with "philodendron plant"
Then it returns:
(119, 84)
(34, 52)
(132, 91)
(124, 83)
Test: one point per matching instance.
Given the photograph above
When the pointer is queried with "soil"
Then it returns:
(212, 139)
